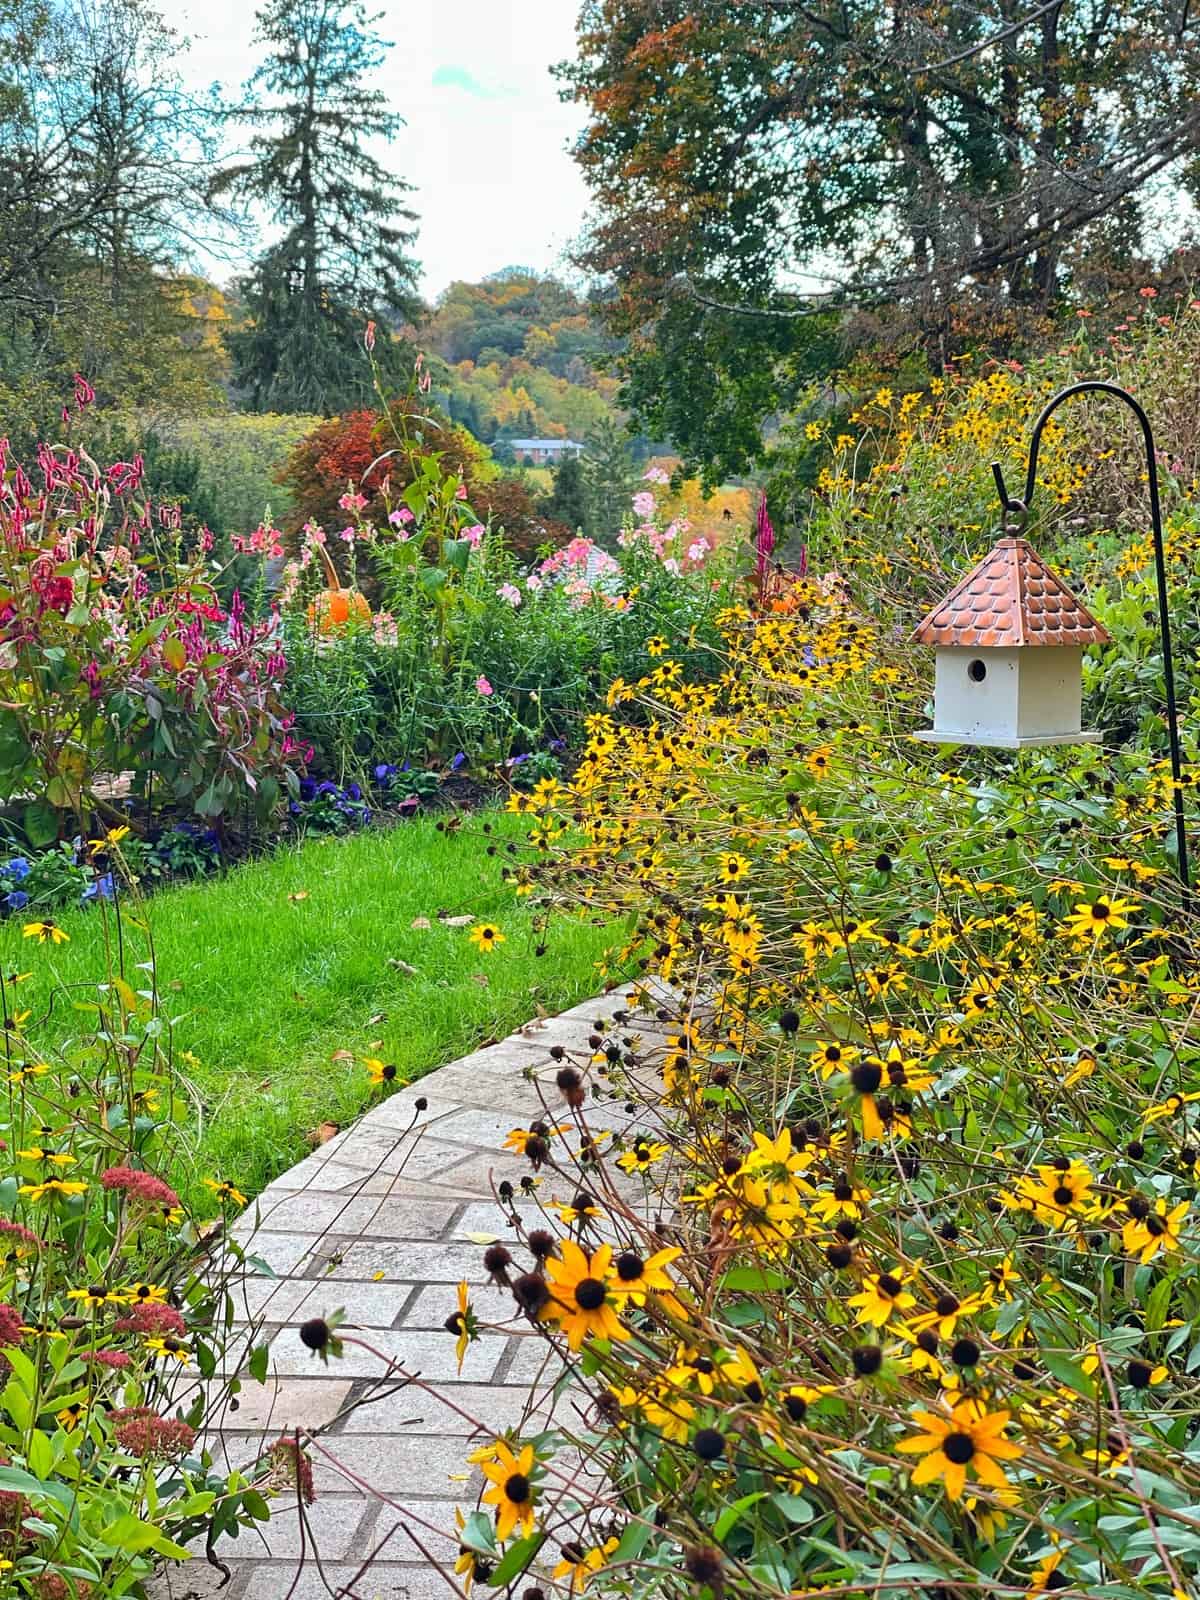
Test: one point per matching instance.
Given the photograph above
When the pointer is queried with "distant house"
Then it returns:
(544, 452)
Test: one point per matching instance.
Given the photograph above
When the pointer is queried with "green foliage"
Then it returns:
(111, 1287)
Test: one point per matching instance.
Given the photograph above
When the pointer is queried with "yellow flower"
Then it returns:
(1156, 1230)
(581, 1294)
(512, 1490)
(579, 1565)
(819, 761)
(969, 1440)
(485, 936)
(641, 1157)
(635, 1274)
(144, 1294)
(55, 1158)
(462, 1323)
(169, 1349)
(1092, 919)
(882, 1295)
(225, 1192)
(657, 645)
(96, 1296)
(112, 837)
(52, 1186)
(72, 1415)
(380, 1072)
(41, 931)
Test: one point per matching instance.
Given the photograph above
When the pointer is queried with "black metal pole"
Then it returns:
(1021, 508)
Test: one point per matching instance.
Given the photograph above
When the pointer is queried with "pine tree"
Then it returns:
(610, 479)
(341, 260)
(569, 501)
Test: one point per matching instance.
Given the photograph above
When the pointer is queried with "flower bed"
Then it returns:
(920, 1316)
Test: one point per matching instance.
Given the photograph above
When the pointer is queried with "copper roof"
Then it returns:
(1010, 598)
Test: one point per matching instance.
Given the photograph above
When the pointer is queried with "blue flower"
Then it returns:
(458, 761)
(16, 899)
(384, 773)
(308, 789)
(17, 868)
(354, 792)
(102, 889)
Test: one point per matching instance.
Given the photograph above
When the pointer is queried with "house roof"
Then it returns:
(1010, 598)
(545, 444)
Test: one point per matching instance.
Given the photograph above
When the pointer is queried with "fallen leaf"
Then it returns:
(456, 922)
(380, 1016)
(322, 1133)
(484, 1238)
(401, 966)
(300, 894)
(481, 978)
(377, 1277)
(342, 1055)
(420, 922)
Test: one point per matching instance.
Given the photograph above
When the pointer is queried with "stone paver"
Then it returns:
(383, 1222)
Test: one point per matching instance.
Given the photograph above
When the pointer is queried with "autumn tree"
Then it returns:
(341, 258)
(764, 172)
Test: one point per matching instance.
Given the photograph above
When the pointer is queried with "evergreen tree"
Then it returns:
(341, 260)
(569, 501)
(611, 480)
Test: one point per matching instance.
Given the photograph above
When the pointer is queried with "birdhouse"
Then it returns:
(1009, 639)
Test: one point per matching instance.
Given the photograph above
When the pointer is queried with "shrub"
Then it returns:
(120, 657)
(910, 1304)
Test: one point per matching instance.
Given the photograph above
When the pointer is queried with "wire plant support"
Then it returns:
(1016, 515)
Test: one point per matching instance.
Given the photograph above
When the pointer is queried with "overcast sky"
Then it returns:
(486, 140)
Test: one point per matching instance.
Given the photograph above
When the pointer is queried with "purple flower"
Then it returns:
(17, 868)
(16, 899)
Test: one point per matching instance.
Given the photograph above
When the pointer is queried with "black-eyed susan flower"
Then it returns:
(579, 1565)
(71, 1415)
(463, 1323)
(96, 1296)
(45, 931)
(511, 1488)
(635, 1275)
(1153, 1229)
(968, 1442)
(1093, 919)
(227, 1193)
(53, 1189)
(883, 1296)
(582, 1298)
(168, 1348)
(641, 1156)
(485, 936)
(380, 1072)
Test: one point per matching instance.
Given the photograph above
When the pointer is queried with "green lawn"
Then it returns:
(269, 971)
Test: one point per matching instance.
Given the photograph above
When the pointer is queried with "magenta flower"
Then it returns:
(483, 687)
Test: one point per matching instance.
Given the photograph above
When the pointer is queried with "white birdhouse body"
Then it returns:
(1009, 642)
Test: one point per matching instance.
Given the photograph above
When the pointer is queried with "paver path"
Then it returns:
(379, 1222)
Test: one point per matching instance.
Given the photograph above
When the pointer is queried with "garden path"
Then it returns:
(384, 1221)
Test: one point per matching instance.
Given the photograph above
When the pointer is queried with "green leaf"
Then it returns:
(1070, 1373)
(516, 1559)
(259, 1358)
(433, 580)
(255, 1506)
(635, 1538)
(40, 1454)
(732, 1515)
(794, 1507)
(753, 1280)
(130, 1534)
(40, 822)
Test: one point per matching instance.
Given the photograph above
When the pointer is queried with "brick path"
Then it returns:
(378, 1222)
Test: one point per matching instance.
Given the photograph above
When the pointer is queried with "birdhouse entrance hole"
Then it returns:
(977, 671)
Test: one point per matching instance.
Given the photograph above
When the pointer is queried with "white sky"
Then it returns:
(486, 136)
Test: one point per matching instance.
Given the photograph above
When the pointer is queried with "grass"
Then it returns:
(267, 973)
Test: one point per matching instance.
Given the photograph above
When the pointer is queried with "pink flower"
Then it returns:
(369, 336)
(655, 475)
(347, 535)
(461, 492)
(643, 504)
(483, 687)
(698, 550)
(352, 501)
(153, 1320)
(400, 516)
(473, 534)
(141, 1185)
(533, 583)
(142, 1432)
(1148, 293)
(510, 593)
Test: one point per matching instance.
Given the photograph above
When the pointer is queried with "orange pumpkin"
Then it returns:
(333, 607)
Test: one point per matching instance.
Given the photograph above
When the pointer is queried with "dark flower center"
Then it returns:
(629, 1267)
(590, 1294)
(946, 1305)
(888, 1284)
(959, 1448)
(1063, 1196)
(516, 1488)
(1100, 911)
(1155, 1226)
(866, 1077)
